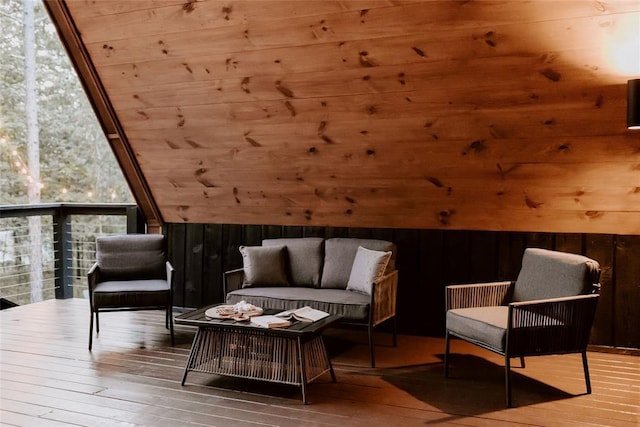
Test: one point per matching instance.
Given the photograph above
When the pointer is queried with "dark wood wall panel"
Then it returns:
(427, 261)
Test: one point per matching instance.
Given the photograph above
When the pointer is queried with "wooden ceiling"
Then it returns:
(490, 115)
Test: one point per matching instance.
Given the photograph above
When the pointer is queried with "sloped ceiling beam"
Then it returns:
(105, 113)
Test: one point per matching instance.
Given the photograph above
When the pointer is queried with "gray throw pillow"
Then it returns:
(264, 265)
(368, 267)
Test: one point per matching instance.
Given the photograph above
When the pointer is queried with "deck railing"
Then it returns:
(47, 249)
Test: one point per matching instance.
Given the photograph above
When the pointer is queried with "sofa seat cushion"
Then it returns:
(340, 254)
(483, 324)
(131, 293)
(352, 306)
(304, 259)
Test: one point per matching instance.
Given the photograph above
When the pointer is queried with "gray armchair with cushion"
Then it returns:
(549, 309)
(130, 273)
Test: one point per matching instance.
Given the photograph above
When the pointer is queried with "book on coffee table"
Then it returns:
(270, 321)
(304, 314)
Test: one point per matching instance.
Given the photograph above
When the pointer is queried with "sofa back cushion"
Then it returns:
(304, 259)
(551, 274)
(339, 254)
(131, 257)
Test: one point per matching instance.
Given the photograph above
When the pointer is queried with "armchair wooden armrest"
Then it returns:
(92, 275)
(170, 271)
(233, 280)
(550, 326)
(478, 295)
(383, 298)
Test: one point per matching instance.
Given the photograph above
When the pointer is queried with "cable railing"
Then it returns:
(46, 250)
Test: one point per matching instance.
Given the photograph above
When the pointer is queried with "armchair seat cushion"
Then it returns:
(352, 306)
(131, 293)
(487, 325)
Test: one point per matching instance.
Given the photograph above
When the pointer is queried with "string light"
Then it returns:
(20, 165)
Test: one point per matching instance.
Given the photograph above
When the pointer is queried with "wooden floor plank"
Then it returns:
(133, 374)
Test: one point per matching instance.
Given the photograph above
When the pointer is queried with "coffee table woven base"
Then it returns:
(277, 355)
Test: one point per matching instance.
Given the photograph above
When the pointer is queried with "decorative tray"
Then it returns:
(236, 312)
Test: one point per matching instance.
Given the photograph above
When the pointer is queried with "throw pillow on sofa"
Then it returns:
(304, 256)
(264, 265)
(368, 266)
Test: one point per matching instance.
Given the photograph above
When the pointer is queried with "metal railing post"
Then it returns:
(135, 221)
(62, 248)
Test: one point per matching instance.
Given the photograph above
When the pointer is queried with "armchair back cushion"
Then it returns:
(131, 257)
(304, 263)
(550, 274)
(340, 253)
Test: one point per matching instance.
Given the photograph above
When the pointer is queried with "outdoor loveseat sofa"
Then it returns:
(355, 278)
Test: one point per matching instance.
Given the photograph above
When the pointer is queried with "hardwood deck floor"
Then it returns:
(132, 377)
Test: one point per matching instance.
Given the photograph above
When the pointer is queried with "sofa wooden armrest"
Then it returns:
(383, 298)
(478, 295)
(233, 280)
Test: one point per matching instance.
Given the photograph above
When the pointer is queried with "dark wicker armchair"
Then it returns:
(130, 273)
(548, 310)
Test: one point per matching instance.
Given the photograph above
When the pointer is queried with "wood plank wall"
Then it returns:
(473, 115)
(427, 261)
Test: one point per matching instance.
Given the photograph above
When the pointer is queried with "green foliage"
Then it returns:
(75, 157)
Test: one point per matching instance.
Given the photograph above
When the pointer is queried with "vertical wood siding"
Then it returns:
(428, 260)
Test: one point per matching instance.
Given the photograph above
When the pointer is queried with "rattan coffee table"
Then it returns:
(294, 355)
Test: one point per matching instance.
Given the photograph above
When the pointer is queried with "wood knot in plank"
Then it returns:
(594, 214)
(192, 143)
(530, 203)
(365, 61)
(284, 90)
(363, 14)
(290, 107)
(226, 12)
(327, 139)
(108, 50)
(444, 216)
(171, 144)
(551, 74)
(252, 141)
(189, 6)
(504, 172)
(244, 85)
(322, 127)
(231, 63)
(182, 212)
(476, 146)
(435, 181)
(419, 51)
